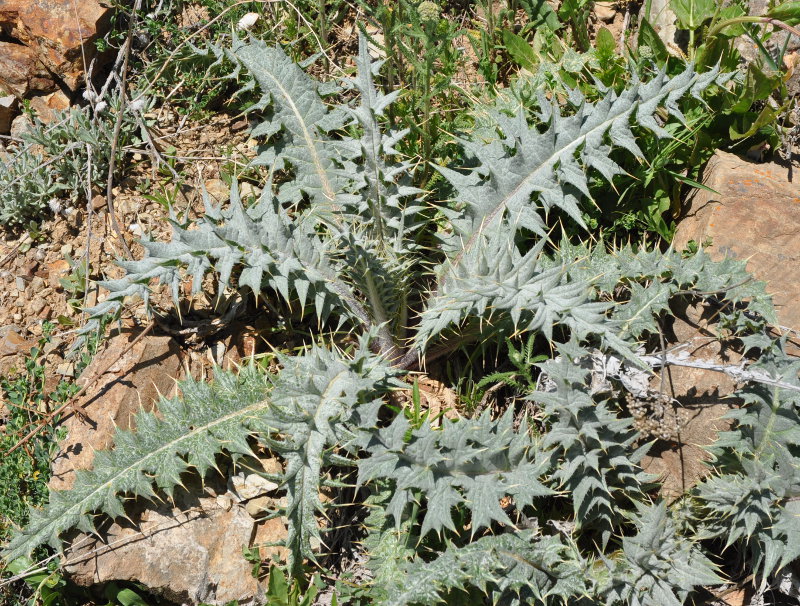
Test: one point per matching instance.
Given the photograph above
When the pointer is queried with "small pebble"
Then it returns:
(37, 306)
(66, 369)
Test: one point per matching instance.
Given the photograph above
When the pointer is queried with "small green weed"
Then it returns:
(45, 585)
(25, 472)
(524, 361)
(283, 592)
(421, 56)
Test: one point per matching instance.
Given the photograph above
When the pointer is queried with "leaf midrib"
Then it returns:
(78, 508)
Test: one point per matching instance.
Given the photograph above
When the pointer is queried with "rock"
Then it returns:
(217, 190)
(12, 342)
(36, 307)
(749, 50)
(189, 556)
(148, 369)
(37, 285)
(188, 550)
(55, 271)
(250, 485)
(8, 107)
(46, 106)
(704, 396)
(61, 33)
(248, 190)
(66, 369)
(20, 125)
(21, 71)
(268, 533)
(754, 216)
(605, 11)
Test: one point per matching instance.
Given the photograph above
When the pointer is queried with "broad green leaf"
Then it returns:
(570, 9)
(757, 86)
(278, 588)
(731, 12)
(692, 13)
(604, 42)
(650, 38)
(788, 12)
(765, 117)
(520, 50)
(541, 13)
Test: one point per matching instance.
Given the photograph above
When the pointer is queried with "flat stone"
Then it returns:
(21, 71)
(12, 342)
(250, 485)
(61, 33)
(55, 271)
(188, 550)
(189, 556)
(217, 190)
(21, 125)
(664, 22)
(748, 49)
(605, 11)
(753, 214)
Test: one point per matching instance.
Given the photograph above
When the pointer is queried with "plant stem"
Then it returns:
(323, 30)
(750, 19)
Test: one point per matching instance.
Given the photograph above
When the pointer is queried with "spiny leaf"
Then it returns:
(474, 462)
(512, 568)
(188, 433)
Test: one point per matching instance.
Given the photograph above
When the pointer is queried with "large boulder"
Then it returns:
(8, 107)
(21, 72)
(703, 399)
(751, 211)
(60, 33)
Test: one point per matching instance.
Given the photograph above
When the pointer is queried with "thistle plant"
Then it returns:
(560, 511)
